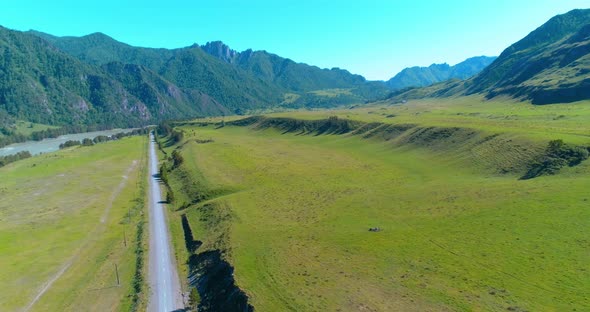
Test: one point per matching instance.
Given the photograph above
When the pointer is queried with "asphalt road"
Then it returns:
(166, 294)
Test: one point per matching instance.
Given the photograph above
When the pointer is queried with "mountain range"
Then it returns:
(549, 65)
(426, 76)
(97, 80)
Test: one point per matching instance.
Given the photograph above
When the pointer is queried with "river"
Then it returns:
(51, 145)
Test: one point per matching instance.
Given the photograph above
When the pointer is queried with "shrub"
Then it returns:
(69, 143)
(5, 160)
(557, 155)
(177, 159)
(87, 142)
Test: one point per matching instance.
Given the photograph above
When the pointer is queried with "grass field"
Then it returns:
(292, 211)
(64, 219)
(569, 122)
(26, 128)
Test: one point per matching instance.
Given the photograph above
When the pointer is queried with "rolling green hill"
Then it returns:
(426, 76)
(550, 65)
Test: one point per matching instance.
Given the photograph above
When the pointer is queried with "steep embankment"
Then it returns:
(209, 273)
(494, 151)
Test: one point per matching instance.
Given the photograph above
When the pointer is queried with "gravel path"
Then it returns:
(166, 294)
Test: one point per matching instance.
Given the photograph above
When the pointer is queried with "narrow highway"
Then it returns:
(165, 289)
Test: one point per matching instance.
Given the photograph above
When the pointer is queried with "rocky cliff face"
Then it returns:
(220, 50)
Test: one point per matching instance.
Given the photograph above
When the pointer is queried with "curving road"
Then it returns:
(165, 289)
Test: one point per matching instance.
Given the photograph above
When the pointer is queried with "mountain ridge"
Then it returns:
(268, 77)
(549, 65)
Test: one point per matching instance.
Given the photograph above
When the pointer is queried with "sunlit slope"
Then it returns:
(64, 224)
(550, 65)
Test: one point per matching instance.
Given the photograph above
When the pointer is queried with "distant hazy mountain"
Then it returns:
(426, 76)
(550, 65)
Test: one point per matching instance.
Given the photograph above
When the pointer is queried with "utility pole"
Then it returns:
(124, 238)
(117, 273)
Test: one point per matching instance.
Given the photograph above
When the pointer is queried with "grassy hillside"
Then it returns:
(547, 66)
(25, 128)
(289, 200)
(64, 220)
(550, 65)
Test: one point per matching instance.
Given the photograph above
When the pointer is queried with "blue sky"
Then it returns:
(374, 38)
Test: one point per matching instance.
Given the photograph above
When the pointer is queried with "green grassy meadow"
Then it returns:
(292, 210)
(69, 211)
(26, 128)
(569, 122)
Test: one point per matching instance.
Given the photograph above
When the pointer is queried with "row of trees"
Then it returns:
(103, 138)
(10, 136)
(165, 129)
(5, 160)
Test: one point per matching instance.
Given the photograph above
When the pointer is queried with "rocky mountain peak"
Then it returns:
(220, 50)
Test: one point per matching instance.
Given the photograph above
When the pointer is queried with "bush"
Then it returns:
(87, 142)
(5, 160)
(69, 143)
(164, 174)
(170, 196)
(176, 136)
(557, 155)
(177, 159)
(164, 129)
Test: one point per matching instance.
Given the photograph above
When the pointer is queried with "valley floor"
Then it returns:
(66, 220)
(292, 211)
